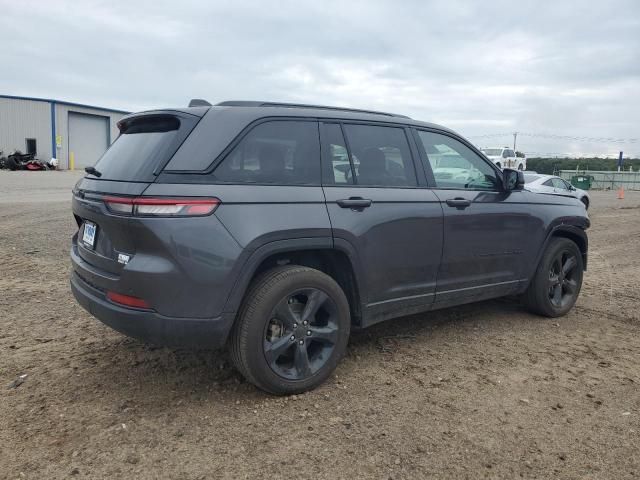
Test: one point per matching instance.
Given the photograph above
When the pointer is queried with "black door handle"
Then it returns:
(355, 203)
(458, 202)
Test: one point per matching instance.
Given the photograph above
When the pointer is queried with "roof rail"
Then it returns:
(199, 102)
(245, 103)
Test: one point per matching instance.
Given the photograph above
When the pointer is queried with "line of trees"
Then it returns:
(551, 165)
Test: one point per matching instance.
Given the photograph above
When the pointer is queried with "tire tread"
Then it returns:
(254, 298)
(535, 298)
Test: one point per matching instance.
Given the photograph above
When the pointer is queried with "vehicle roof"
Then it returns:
(251, 110)
(220, 124)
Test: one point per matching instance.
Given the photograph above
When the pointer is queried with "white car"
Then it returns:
(554, 186)
(505, 158)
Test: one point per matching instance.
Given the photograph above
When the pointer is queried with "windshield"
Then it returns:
(494, 152)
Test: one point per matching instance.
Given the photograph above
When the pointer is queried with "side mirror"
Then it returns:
(512, 179)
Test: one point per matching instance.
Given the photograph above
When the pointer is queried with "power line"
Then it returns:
(559, 137)
(578, 155)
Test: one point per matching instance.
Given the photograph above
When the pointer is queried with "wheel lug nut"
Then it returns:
(295, 325)
(305, 322)
(301, 342)
(308, 332)
(293, 338)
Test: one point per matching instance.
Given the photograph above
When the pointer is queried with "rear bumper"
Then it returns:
(149, 326)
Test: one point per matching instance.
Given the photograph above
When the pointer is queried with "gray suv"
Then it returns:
(276, 229)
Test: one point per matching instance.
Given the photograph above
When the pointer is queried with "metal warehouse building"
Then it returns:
(75, 134)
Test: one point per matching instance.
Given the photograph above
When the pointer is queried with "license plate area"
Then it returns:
(89, 234)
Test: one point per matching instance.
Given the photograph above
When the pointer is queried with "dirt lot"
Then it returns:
(484, 390)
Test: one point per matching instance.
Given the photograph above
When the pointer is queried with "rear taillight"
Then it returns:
(162, 207)
(127, 300)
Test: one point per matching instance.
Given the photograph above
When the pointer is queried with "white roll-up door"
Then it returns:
(88, 138)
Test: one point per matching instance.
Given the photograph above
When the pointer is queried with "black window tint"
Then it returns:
(144, 144)
(280, 152)
(337, 166)
(455, 165)
(381, 156)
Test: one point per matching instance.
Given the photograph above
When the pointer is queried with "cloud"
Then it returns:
(567, 68)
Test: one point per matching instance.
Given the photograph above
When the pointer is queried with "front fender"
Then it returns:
(574, 231)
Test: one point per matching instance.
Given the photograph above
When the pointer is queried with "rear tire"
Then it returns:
(291, 331)
(554, 289)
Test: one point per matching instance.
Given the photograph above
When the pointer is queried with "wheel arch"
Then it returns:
(576, 234)
(338, 261)
(585, 199)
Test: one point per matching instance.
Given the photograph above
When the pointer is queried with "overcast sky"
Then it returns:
(569, 68)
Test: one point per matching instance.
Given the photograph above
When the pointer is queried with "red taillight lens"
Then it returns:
(164, 207)
(127, 300)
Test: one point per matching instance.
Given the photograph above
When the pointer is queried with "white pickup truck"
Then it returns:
(505, 158)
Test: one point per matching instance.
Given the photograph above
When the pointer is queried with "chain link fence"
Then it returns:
(607, 180)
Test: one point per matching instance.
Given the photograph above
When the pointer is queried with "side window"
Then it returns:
(381, 156)
(455, 165)
(548, 183)
(280, 152)
(337, 166)
(505, 153)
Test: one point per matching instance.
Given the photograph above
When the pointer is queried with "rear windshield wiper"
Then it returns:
(92, 171)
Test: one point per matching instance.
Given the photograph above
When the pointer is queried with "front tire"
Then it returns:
(554, 289)
(292, 330)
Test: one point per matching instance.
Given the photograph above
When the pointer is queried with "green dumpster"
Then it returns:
(582, 181)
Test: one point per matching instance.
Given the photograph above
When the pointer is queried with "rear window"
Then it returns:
(144, 144)
(279, 152)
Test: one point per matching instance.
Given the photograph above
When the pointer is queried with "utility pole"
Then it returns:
(515, 134)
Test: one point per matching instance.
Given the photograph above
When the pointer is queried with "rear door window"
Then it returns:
(144, 145)
(279, 152)
(338, 169)
(380, 156)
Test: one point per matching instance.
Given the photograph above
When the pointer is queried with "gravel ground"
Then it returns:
(484, 390)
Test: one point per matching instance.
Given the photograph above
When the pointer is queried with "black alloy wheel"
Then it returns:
(563, 287)
(301, 334)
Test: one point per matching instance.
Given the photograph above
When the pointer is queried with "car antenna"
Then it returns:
(199, 102)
